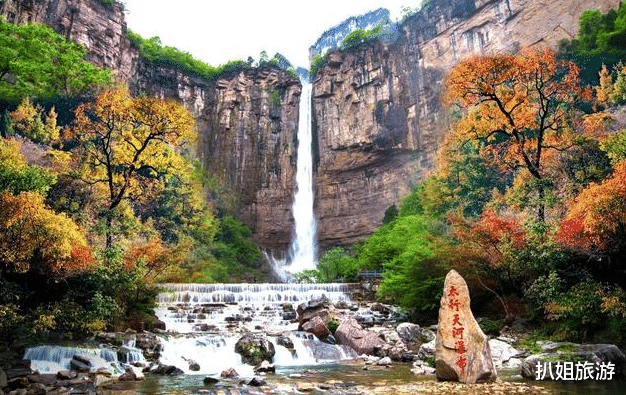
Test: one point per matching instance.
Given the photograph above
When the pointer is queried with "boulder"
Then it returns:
(285, 341)
(193, 365)
(351, 334)
(210, 380)
(313, 308)
(504, 355)
(229, 373)
(128, 375)
(82, 363)
(265, 367)
(384, 361)
(168, 370)
(317, 327)
(254, 349)
(461, 348)
(421, 368)
(256, 382)
(66, 375)
(408, 332)
(3, 379)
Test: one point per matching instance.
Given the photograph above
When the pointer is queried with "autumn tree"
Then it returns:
(129, 145)
(596, 221)
(17, 176)
(35, 238)
(519, 105)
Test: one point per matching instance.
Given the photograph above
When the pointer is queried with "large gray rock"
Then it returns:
(504, 355)
(351, 334)
(408, 332)
(462, 351)
(254, 349)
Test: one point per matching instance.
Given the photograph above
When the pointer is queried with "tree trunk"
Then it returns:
(541, 207)
(109, 230)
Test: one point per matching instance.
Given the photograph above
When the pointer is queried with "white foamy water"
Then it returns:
(186, 308)
(210, 318)
(303, 251)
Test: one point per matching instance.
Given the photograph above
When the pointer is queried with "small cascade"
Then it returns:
(186, 308)
(210, 318)
(182, 351)
(203, 349)
(52, 359)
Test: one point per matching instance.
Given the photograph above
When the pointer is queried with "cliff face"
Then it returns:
(99, 28)
(377, 111)
(377, 117)
(247, 125)
(247, 121)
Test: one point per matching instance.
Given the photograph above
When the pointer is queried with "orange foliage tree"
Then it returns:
(129, 144)
(34, 238)
(519, 105)
(596, 221)
(489, 233)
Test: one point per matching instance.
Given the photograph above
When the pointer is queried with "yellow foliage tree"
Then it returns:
(35, 238)
(129, 144)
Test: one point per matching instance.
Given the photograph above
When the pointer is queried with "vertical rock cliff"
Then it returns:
(247, 123)
(377, 111)
(377, 117)
(98, 27)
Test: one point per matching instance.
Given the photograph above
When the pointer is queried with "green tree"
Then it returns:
(37, 61)
(413, 254)
(17, 176)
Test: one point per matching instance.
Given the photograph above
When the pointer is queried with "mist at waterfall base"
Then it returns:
(302, 253)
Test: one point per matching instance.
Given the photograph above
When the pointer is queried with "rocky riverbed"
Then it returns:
(319, 346)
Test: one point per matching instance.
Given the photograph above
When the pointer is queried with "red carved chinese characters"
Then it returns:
(457, 328)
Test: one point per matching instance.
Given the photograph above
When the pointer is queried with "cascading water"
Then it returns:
(210, 318)
(302, 254)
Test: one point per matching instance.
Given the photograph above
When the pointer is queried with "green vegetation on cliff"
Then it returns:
(37, 61)
(601, 40)
(152, 50)
(99, 197)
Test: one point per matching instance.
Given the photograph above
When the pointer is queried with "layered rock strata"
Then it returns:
(377, 112)
(101, 29)
(247, 124)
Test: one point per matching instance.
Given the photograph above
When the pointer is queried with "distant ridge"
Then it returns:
(333, 37)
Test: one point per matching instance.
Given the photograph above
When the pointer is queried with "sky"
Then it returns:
(216, 31)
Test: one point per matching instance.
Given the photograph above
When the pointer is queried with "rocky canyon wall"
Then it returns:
(98, 27)
(247, 121)
(377, 117)
(377, 110)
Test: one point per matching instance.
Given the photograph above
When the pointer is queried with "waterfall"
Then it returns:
(187, 308)
(302, 254)
(51, 359)
(210, 318)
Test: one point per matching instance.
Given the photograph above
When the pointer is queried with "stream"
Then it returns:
(204, 322)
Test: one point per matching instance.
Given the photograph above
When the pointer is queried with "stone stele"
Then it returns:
(462, 351)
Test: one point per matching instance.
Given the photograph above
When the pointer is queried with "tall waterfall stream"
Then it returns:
(302, 253)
